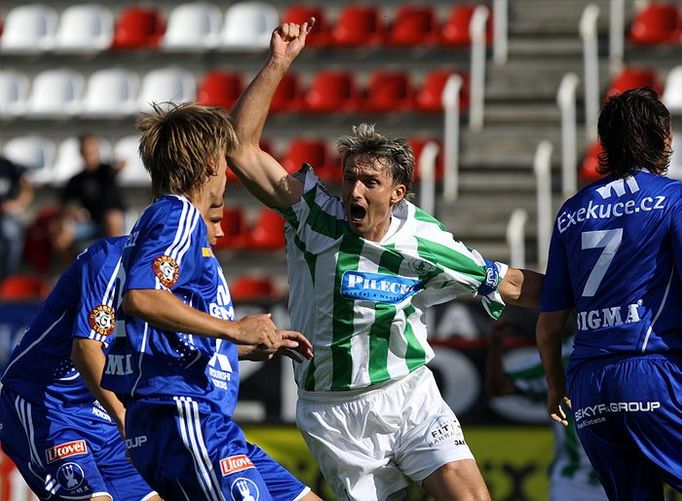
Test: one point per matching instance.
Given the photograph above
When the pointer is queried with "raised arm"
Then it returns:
(522, 287)
(262, 175)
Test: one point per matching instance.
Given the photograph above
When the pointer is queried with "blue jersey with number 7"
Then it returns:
(616, 258)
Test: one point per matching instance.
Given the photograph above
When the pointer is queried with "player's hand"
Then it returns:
(292, 344)
(557, 404)
(258, 330)
(288, 40)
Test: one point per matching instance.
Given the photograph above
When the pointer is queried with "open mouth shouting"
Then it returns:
(358, 213)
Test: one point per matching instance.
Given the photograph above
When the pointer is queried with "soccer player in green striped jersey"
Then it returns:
(571, 476)
(362, 270)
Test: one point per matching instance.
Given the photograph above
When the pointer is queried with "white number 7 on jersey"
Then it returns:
(609, 240)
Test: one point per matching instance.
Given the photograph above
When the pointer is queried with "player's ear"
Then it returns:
(211, 167)
(398, 193)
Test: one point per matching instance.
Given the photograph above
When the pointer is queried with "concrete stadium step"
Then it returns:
(525, 113)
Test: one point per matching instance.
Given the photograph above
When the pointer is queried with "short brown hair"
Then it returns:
(179, 140)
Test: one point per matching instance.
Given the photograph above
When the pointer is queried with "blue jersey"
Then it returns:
(81, 305)
(168, 250)
(616, 258)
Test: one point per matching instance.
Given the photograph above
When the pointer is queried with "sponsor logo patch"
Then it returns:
(65, 450)
(378, 287)
(166, 270)
(244, 489)
(102, 319)
(445, 428)
(233, 464)
(207, 252)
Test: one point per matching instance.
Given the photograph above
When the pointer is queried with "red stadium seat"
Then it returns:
(289, 95)
(268, 232)
(413, 25)
(220, 88)
(657, 24)
(138, 28)
(632, 78)
(319, 35)
(430, 96)
(310, 151)
(332, 92)
(24, 288)
(253, 289)
(417, 144)
(455, 31)
(389, 91)
(236, 229)
(588, 168)
(358, 26)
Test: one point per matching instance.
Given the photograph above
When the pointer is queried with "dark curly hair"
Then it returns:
(634, 131)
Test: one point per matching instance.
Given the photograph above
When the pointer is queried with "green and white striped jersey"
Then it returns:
(570, 460)
(361, 303)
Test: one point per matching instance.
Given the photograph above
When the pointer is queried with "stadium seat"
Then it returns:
(455, 31)
(29, 28)
(56, 93)
(236, 229)
(657, 23)
(256, 289)
(193, 27)
(268, 232)
(358, 26)
(417, 144)
(632, 78)
(70, 162)
(169, 84)
(429, 96)
(138, 28)
(36, 153)
(24, 288)
(319, 35)
(413, 26)
(220, 88)
(85, 28)
(13, 92)
(249, 25)
(133, 172)
(289, 95)
(587, 172)
(310, 151)
(672, 95)
(389, 91)
(332, 92)
(37, 239)
(111, 92)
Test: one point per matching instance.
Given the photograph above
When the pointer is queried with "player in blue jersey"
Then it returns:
(616, 259)
(174, 361)
(59, 436)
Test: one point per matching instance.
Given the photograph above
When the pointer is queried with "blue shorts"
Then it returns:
(628, 414)
(187, 449)
(68, 453)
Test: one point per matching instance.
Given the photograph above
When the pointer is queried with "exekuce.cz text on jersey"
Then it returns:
(168, 250)
(616, 258)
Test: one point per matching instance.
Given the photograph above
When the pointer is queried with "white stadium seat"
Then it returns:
(672, 95)
(29, 28)
(133, 172)
(249, 25)
(85, 28)
(36, 153)
(111, 92)
(56, 93)
(70, 162)
(13, 92)
(194, 27)
(167, 85)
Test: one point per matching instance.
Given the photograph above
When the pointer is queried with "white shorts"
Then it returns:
(367, 441)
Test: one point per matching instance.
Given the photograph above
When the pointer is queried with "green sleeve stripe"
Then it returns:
(453, 260)
(290, 216)
(415, 356)
(384, 314)
(309, 382)
(321, 222)
(424, 217)
(342, 327)
(310, 258)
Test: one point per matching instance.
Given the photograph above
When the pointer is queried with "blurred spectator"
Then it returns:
(92, 202)
(16, 194)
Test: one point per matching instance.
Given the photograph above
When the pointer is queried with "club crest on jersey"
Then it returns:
(377, 287)
(102, 319)
(70, 476)
(233, 464)
(244, 489)
(166, 270)
(65, 450)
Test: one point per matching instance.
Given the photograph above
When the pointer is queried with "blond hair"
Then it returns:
(179, 141)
